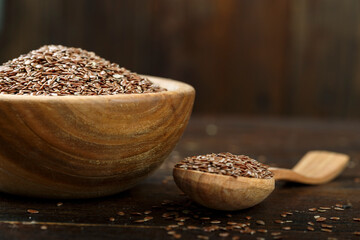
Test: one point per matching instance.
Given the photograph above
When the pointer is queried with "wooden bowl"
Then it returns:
(88, 146)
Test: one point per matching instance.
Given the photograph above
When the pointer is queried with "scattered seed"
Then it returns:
(215, 221)
(286, 228)
(312, 209)
(147, 212)
(325, 208)
(237, 238)
(59, 204)
(326, 230)
(339, 209)
(262, 230)
(202, 237)
(229, 215)
(33, 211)
(276, 233)
(357, 233)
(335, 218)
(120, 213)
(310, 223)
(248, 217)
(190, 227)
(139, 221)
(326, 226)
(177, 235)
(260, 222)
(111, 219)
(279, 221)
(211, 228)
(43, 227)
(356, 219)
(232, 223)
(321, 219)
(321, 210)
(136, 213)
(310, 228)
(205, 218)
(224, 234)
(148, 218)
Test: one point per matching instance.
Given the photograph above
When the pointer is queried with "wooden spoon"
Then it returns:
(229, 193)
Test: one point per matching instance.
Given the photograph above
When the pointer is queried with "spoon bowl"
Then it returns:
(222, 192)
(88, 146)
(229, 193)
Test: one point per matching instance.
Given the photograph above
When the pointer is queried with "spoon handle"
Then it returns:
(290, 175)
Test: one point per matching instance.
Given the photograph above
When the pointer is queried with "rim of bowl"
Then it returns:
(172, 86)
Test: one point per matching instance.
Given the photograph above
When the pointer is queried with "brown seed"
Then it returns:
(190, 227)
(120, 213)
(180, 223)
(59, 204)
(205, 218)
(310, 223)
(312, 209)
(286, 228)
(310, 228)
(229, 215)
(326, 226)
(148, 218)
(147, 212)
(43, 227)
(235, 238)
(356, 219)
(326, 230)
(211, 228)
(226, 164)
(136, 213)
(320, 219)
(276, 233)
(357, 233)
(262, 230)
(248, 217)
(339, 209)
(279, 221)
(177, 235)
(111, 219)
(277, 237)
(232, 223)
(260, 222)
(215, 221)
(139, 221)
(202, 237)
(224, 234)
(57, 71)
(325, 208)
(321, 210)
(335, 218)
(171, 232)
(33, 211)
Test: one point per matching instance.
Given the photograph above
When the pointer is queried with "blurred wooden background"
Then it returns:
(261, 57)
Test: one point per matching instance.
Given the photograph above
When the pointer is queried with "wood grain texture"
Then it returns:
(316, 167)
(78, 147)
(223, 192)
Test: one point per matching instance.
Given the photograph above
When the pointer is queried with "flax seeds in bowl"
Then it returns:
(226, 164)
(59, 71)
(74, 125)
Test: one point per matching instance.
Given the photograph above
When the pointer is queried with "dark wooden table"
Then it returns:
(277, 142)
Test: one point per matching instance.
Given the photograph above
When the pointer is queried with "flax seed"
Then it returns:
(44, 72)
(260, 222)
(226, 164)
(33, 211)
